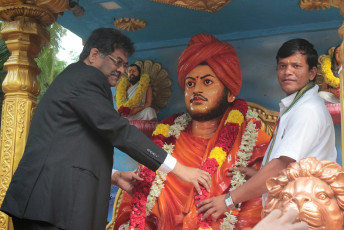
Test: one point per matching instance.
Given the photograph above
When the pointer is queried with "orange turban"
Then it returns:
(220, 56)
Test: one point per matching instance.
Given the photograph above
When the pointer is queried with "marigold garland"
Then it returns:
(123, 104)
(166, 134)
(329, 78)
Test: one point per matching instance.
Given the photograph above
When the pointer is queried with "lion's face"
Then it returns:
(315, 201)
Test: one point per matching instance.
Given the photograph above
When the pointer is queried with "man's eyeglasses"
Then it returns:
(118, 62)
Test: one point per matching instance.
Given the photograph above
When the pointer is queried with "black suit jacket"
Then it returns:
(65, 173)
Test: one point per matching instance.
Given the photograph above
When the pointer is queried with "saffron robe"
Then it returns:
(174, 209)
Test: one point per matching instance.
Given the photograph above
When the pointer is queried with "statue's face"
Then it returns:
(203, 91)
(133, 75)
(133, 72)
(315, 201)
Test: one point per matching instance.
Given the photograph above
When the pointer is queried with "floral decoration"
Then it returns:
(219, 154)
(123, 104)
(329, 78)
(166, 134)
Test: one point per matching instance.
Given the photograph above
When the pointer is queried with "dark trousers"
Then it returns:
(23, 224)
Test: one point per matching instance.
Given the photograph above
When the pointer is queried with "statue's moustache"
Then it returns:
(198, 95)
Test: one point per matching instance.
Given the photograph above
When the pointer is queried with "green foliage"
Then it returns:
(47, 61)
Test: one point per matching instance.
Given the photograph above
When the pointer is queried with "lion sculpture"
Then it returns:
(314, 188)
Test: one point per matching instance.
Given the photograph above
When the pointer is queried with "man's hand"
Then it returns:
(125, 180)
(277, 220)
(214, 205)
(249, 172)
(193, 175)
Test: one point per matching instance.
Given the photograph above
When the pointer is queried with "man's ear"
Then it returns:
(230, 97)
(313, 72)
(94, 54)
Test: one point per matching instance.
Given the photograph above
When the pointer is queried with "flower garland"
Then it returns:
(166, 134)
(329, 78)
(244, 154)
(125, 106)
(219, 154)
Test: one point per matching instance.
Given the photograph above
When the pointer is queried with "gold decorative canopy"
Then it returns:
(129, 24)
(322, 4)
(211, 6)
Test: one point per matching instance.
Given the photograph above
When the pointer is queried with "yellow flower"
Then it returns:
(218, 154)
(329, 78)
(235, 116)
(161, 129)
(121, 92)
(204, 228)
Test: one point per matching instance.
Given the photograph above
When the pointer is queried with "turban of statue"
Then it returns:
(220, 56)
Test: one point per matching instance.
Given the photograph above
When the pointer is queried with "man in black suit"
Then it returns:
(63, 179)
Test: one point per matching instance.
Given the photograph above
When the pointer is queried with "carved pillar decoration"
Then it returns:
(324, 4)
(211, 6)
(25, 35)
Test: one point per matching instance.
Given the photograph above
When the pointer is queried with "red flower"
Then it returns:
(139, 200)
(210, 166)
(124, 110)
(170, 140)
(258, 124)
(158, 139)
(241, 105)
(170, 120)
(227, 136)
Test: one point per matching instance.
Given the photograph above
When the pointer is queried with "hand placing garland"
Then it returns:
(166, 135)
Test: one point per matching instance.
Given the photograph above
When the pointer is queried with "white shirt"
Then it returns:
(166, 167)
(306, 130)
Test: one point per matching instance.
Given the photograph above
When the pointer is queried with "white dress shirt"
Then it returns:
(306, 130)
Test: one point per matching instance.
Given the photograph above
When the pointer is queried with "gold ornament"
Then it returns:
(211, 6)
(129, 24)
(160, 82)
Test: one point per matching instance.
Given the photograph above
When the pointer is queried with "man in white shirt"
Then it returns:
(304, 128)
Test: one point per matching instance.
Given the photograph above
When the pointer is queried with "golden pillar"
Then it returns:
(25, 35)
